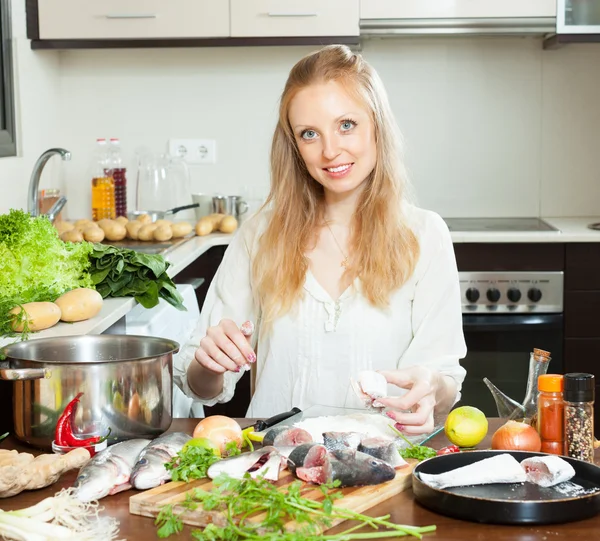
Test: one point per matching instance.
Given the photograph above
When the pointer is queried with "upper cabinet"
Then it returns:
(132, 19)
(293, 18)
(456, 9)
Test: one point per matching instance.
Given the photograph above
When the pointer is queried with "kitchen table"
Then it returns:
(403, 508)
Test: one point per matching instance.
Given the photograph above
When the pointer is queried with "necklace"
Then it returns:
(345, 260)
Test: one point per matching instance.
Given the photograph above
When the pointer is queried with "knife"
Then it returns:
(259, 426)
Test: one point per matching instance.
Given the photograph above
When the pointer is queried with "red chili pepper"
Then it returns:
(449, 450)
(64, 428)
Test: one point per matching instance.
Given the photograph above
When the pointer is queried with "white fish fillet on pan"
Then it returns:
(547, 471)
(497, 469)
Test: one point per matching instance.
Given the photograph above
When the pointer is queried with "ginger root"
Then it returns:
(24, 472)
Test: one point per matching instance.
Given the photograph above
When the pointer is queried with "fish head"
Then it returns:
(365, 467)
(94, 483)
(149, 471)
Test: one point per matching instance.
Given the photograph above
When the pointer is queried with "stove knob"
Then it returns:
(534, 294)
(513, 294)
(493, 295)
(472, 295)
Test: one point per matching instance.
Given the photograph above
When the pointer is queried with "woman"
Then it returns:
(339, 273)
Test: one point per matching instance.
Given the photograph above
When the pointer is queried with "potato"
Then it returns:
(72, 236)
(79, 304)
(215, 220)
(162, 233)
(115, 231)
(62, 226)
(181, 229)
(83, 222)
(133, 229)
(122, 220)
(146, 232)
(39, 315)
(228, 224)
(204, 227)
(144, 218)
(105, 223)
(93, 234)
(163, 222)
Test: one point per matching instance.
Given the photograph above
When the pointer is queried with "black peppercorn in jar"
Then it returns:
(579, 416)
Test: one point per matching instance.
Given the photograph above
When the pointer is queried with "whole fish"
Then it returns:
(109, 471)
(149, 470)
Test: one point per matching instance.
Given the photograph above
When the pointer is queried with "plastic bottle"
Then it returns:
(579, 416)
(103, 186)
(119, 175)
(551, 412)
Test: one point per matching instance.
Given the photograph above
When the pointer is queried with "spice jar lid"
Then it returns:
(550, 383)
(579, 387)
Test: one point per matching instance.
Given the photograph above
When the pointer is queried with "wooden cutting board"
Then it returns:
(358, 499)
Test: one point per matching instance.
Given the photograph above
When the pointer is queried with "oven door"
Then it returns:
(498, 347)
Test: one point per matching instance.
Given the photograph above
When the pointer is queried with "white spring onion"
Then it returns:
(62, 516)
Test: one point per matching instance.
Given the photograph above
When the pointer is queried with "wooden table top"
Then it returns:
(403, 508)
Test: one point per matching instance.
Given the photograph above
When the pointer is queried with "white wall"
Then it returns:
(493, 126)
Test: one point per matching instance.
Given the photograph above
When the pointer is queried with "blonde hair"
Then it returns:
(384, 250)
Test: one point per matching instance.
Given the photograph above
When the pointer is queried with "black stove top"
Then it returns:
(499, 224)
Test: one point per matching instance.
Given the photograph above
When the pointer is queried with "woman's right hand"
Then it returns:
(226, 348)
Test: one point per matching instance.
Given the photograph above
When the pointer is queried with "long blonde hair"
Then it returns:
(384, 250)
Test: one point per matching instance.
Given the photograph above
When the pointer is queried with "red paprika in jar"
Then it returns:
(551, 410)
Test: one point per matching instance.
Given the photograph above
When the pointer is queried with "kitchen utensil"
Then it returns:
(357, 499)
(205, 204)
(127, 383)
(159, 214)
(233, 205)
(518, 503)
(259, 426)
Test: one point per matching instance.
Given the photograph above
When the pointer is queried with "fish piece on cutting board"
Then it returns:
(502, 468)
(547, 471)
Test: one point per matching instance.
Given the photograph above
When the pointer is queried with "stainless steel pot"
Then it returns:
(127, 383)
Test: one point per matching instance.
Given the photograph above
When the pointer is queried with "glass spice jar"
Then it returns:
(550, 418)
(579, 415)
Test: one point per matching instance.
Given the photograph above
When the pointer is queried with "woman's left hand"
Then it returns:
(414, 410)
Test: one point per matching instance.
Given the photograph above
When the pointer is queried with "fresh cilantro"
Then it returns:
(167, 522)
(191, 463)
(420, 452)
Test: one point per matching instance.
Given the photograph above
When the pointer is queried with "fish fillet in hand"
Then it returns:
(498, 469)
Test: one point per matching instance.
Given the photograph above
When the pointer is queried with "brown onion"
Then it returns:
(220, 430)
(515, 436)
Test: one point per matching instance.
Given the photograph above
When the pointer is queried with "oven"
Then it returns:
(505, 316)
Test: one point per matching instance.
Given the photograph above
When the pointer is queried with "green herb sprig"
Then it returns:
(420, 452)
(193, 462)
(254, 509)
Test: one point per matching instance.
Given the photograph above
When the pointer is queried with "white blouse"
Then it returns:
(312, 352)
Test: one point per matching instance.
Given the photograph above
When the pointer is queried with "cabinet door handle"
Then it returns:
(291, 14)
(131, 16)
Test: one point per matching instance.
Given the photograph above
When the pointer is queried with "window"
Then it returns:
(8, 146)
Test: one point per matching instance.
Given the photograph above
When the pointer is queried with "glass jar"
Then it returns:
(550, 418)
(579, 416)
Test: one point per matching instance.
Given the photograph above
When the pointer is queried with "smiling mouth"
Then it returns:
(339, 168)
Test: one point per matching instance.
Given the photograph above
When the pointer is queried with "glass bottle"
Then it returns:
(119, 174)
(103, 186)
(510, 409)
(579, 416)
(551, 411)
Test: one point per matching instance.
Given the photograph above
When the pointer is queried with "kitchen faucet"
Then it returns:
(32, 199)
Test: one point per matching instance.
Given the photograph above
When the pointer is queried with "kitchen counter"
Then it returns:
(402, 508)
(113, 309)
(570, 230)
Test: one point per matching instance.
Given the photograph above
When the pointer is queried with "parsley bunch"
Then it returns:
(193, 462)
(254, 509)
(420, 452)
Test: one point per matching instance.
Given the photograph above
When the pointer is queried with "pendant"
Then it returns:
(344, 263)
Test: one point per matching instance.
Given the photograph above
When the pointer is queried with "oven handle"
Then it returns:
(511, 322)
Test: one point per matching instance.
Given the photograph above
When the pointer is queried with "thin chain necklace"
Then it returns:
(345, 260)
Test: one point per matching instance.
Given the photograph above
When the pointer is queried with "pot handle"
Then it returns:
(15, 374)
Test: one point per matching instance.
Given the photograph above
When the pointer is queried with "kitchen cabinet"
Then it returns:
(260, 18)
(131, 19)
(456, 9)
(582, 305)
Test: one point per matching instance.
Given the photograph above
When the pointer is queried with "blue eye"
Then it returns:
(347, 124)
(309, 134)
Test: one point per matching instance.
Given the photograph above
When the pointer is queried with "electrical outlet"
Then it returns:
(194, 151)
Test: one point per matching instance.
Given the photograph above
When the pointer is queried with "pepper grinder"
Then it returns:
(579, 415)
